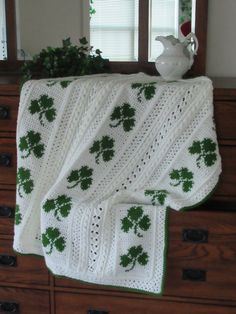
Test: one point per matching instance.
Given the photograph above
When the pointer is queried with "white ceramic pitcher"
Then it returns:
(176, 58)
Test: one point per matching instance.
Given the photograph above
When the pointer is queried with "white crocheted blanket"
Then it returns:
(100, 160)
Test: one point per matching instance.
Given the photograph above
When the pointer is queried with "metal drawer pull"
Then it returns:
(4, 113)
(6, 212)
(194, 274)
(7, 260)
(97, 312)
(9, 307)
(195, 235)
(5, 160)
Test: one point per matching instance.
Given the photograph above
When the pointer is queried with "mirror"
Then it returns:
(171, 17)
(46, 22)
(116, 35)
(3, 37)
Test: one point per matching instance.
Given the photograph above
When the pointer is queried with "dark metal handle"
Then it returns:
(6, 212)
(97, 312)
(4, 113)
(194, 274)
(9, 307)
(7, 260)
(5, 160)
(195, 235)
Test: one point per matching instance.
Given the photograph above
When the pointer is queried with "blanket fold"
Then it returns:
(101, 158)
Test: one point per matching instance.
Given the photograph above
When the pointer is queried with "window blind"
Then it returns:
(164, 20)
(114, 28)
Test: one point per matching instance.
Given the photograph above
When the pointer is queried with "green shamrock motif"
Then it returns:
(148, 90)
(52, 238)
(136, 220)
(135, 255)
(103, 148)
(83, 176)
(206, 150)
(61, 206)
(157, 196)
(31, 144)
(18, 216)
(64, 83)
(24, 181)
(123, 115)
(44, 107)
(184, 177)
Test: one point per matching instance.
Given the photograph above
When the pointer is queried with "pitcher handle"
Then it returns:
(194, 43)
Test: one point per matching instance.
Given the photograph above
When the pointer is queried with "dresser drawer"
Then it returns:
(101, 304)
(227, 182)
(8, 113)
(225, 115)
(7, 211)
(24, 301)
(202, 255)
(21, 268)
(7, 161)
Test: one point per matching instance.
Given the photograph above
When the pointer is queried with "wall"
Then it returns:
(221, 43)
(61, 21)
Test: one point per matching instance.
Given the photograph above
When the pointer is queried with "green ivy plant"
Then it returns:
(68, 60)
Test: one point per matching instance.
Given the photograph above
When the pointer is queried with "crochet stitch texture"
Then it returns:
(101, 158)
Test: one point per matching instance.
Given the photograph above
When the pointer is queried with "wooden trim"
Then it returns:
(143, 30)
(199, 67)
(11, 30)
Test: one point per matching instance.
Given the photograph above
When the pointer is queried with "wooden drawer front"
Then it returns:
(8, 113)
(7, 161)
(227, 183)
(21, 269)
(25, 301)
(202, 255)
(101, 304)
(225, 117)
(7, 211)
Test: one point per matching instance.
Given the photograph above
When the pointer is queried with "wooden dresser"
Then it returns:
(201, 263)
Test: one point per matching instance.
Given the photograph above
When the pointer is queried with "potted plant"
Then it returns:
(68, 60)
